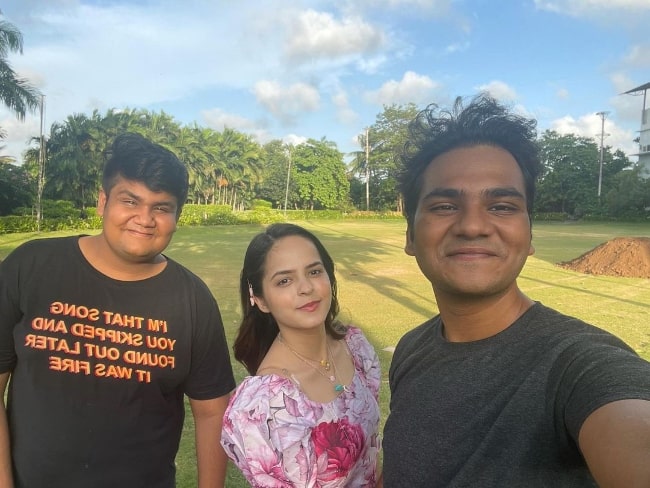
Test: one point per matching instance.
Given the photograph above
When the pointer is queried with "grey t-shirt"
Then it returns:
(504, 411)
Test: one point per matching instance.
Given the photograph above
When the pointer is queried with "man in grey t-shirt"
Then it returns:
(497, 390)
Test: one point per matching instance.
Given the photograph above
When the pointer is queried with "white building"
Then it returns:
(644, 133)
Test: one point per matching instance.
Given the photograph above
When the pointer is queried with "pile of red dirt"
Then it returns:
(624, 256)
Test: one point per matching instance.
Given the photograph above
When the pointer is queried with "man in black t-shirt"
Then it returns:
(101, 339)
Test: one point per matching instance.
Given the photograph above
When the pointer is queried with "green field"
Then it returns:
(382, 291)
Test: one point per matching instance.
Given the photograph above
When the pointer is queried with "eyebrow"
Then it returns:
(283, 272)
(497, 192)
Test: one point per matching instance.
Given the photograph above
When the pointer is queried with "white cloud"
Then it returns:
(590, 126)
(412, 88)
(499, 90)
(436, 8)
(638, 56)
(627, 107)
(589, 7)
(562, 94)
(218, 119)
(293, 139)
(343, 111)
(318, 35)
(19, 134)
(286, 103)
(457, 47)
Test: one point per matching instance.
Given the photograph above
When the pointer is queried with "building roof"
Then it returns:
(641, 88)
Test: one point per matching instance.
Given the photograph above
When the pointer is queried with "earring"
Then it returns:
(250, 294)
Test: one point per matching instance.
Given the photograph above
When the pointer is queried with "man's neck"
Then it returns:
(96, 252)
(465, 319)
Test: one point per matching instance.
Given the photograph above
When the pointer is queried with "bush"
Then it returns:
(550, 216)
(261, 204)
(194, 214)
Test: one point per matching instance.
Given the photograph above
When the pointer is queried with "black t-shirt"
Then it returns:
(99, 367)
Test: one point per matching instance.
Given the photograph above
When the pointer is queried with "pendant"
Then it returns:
(338, 388)
(332, 378)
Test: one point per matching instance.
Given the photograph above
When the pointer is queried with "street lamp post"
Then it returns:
(602, 135)
(41, 169)
(367, 172)
(286, 191)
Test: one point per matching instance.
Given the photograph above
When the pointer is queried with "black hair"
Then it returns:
(436, 131)
(258, 329)
(135, 158)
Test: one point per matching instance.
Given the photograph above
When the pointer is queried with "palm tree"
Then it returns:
(4, 158)
(16, 93)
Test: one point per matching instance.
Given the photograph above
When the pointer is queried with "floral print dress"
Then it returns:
(279, 438)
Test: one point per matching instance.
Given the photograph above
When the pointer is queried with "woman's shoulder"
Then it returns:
(354, 336)
(265, 387)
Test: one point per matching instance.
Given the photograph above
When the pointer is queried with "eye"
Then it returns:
(442, 208)
(283, 282)
(162, 209)
(316, 272)
(504, 208)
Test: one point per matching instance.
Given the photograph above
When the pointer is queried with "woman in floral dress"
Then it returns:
(308, 416)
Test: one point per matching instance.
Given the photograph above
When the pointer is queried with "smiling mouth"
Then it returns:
(470, 255)
(140, 233)
(309, 307)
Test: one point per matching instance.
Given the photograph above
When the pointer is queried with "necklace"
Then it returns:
(332, 378)
(337, 387)
(324, 363)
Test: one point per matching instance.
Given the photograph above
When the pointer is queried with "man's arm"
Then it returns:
(615, 442)
(6, 478)
(211, 460)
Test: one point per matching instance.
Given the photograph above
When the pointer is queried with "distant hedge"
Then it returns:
(59, 216)
(63, 217)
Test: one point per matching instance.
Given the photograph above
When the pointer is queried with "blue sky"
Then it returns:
(310, 69)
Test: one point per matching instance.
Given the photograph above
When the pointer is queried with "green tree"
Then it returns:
(15, 92)
(630, 195)
(239, 163)
(16, 188)
(273, 185)
(569, 182)
(74, 162)
(190, 150)
(386, 138)
(320, 175)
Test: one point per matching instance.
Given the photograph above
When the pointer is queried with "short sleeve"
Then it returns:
(10, 313)
(210, 373)
(597, 375)
(366, 359)
(247, 435)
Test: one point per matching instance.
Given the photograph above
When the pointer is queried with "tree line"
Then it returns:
(230, 168)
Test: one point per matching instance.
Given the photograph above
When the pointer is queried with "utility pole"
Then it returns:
(286, 192)
(367, 173)
(41, 169)
(602, 136)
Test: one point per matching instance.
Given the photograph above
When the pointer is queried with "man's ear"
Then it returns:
(531, 249)
(409, 246)
(101, 202)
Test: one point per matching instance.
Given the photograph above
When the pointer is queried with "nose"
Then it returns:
(305, 286)
(473, 221)
(144, 216)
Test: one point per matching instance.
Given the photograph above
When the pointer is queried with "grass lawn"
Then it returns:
(382, 291)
